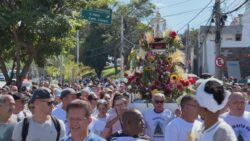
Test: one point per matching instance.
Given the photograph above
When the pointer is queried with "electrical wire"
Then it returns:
(195, 16)
(237, 8)
(175, 4)
(185, 12)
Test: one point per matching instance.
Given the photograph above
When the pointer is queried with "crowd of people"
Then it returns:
(100, 111)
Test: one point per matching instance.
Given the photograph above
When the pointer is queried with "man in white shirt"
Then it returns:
(180, 128)
(67, 95)
(237, 117)
(41, 126)
(157, 118)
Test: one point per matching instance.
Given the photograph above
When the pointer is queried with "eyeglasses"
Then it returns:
(159, 101)
(50, 103)
(78, 119)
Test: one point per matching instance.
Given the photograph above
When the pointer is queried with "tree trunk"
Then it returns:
(4, 69)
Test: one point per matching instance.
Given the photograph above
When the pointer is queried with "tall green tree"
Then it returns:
(30, 30)
(36, 29)
(104, 40)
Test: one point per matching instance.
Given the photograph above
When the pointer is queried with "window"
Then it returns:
(237, 37)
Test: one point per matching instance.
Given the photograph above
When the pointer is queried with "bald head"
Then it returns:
(7, 106)
(236, 95)
(236, 103)
(133, 122)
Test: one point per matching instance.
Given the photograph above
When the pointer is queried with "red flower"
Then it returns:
(173, 34)
(186, 83)
(179, 86)
(192, 80)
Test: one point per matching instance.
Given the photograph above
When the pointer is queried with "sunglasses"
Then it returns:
(50, 103)
(159, 101)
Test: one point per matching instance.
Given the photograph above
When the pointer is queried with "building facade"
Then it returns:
(235, 47)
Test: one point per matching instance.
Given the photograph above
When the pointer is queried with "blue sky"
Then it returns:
(190, 8)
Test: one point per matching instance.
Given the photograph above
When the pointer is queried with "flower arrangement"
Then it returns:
(159, 72)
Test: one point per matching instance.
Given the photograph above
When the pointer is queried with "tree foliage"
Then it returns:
(104, 40)
(36, 29)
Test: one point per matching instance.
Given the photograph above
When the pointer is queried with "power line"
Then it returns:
(237, 8)
(195, 16)
(175, 4)
(185, 12)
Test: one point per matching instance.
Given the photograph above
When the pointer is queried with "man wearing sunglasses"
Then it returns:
(41, 126)
(157, 118)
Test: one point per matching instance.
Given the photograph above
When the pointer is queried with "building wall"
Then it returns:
(238, 48)
(238, 54)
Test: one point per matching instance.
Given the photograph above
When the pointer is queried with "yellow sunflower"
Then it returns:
(148, 68)
(168, 60)
(174, 77)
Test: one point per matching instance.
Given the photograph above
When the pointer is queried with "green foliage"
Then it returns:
(71, 71)
(108, 72)
(104, 40)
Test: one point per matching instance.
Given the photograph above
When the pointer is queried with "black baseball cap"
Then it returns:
(20, 96)
(40, 93)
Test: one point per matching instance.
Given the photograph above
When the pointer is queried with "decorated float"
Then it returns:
(158, 66)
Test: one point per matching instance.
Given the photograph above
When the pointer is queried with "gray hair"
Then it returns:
(161, 95)
(102, 102)
(3, 99)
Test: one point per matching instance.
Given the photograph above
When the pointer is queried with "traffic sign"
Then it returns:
(97, 15)
(219, 62)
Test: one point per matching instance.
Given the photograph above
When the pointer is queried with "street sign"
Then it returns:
(97, 15)
(219, 62)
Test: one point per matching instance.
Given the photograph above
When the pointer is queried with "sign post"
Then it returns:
(103, 16)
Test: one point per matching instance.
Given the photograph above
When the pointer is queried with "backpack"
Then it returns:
(26, 127)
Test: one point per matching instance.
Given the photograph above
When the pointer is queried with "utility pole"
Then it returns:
(122, 48)
(61, 69)
(77, 55)
(187, 49)
(218, 71)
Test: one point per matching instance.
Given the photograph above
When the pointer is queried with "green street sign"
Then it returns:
(97, 15)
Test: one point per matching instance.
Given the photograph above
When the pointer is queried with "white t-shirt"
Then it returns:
(240, 125)
(22, 114)
(247, 107)
(179, 130)
(117, 126)
(61, 114)
(220, 131)
(98, 125)
(156, 123)
(38, 132)
(127, 139)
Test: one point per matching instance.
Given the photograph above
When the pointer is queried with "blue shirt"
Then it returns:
(90, 137)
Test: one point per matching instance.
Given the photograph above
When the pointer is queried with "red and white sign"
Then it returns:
(219, 62)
